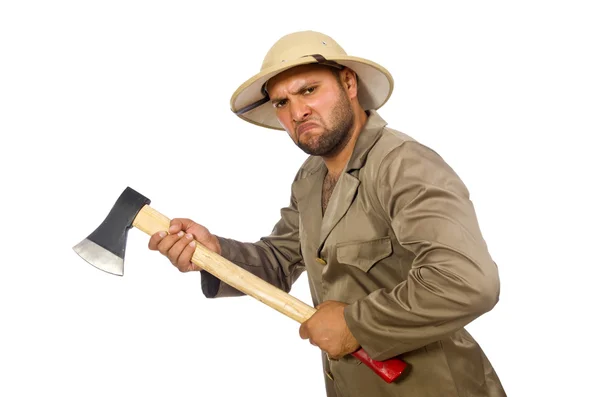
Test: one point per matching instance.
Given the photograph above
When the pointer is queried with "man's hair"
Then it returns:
(336, 73)
(338, 77)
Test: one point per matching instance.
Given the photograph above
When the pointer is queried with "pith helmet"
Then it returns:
(251, 102)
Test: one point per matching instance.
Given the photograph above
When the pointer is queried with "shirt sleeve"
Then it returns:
(453, 278)
(275, 258)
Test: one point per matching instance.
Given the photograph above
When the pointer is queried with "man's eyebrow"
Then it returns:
(296, 92)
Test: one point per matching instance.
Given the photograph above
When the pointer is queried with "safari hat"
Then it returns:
(251, 101)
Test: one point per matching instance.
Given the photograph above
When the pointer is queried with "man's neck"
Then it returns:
(335, 164)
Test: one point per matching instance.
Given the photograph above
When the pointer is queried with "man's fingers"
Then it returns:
(178, 243)
(155, 239)
(184, 260)
(191, 268)
(165, 244)
(177, 248)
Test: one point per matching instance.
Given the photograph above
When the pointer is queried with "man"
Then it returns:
(383, 226)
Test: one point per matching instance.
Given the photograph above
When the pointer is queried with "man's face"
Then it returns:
(314, 108)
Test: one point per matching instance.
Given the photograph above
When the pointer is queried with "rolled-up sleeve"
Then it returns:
(453, 278)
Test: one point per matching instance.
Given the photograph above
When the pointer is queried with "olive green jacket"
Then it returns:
(400, 243)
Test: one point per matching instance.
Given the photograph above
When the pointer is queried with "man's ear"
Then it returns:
(349, 80)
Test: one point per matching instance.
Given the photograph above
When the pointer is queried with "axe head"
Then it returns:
(105, 247)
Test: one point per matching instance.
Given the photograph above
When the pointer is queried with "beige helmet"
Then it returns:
(251, 102)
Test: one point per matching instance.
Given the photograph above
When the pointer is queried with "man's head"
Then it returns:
(316, 105)
(373, 84)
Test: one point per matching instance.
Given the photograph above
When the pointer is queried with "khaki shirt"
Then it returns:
(400, 243)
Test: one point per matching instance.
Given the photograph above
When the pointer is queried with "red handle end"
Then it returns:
(388, 370)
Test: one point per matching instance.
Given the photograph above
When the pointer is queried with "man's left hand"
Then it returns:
(328, 330)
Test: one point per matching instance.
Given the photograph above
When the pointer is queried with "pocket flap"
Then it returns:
(364, 254)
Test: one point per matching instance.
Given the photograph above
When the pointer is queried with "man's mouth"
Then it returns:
(304, 127)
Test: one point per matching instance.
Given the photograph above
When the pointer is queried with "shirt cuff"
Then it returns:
(352, 315)
(211, 285)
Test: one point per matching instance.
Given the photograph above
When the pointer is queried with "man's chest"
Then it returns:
(329, 183)
(345, 254)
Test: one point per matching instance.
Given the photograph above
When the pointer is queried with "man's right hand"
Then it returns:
(178, 244)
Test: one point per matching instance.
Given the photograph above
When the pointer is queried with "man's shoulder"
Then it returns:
(406, 155)
(389, 141)
(396, 136)
(394, 147)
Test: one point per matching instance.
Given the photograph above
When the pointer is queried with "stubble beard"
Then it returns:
(333, 139)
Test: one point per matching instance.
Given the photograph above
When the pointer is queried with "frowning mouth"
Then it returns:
(304, 127)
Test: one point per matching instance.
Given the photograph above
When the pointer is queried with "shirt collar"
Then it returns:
(370, 133)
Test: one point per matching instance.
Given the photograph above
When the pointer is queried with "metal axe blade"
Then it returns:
(105, 247)
(100, 257)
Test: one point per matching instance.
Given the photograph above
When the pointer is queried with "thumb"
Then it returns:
(178, 224)
(188, 226)
(201, 234)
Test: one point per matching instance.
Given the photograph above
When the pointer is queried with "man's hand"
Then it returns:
(328, 330)
(178, 244)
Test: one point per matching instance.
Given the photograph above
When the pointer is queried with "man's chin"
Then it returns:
(314, 151)
(308, 149)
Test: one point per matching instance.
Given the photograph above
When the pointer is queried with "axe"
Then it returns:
(105, 249)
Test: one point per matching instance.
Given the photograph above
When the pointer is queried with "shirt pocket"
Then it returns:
(364, 254)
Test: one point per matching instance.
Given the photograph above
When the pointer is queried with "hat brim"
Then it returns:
(375, 86)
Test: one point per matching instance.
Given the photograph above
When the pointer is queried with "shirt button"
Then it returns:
(321, 261)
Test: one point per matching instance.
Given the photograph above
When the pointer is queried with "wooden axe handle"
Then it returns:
(151, 221)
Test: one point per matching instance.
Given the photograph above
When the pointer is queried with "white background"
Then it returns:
(98, 96)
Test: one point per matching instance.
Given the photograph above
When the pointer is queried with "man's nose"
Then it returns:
(300, 110)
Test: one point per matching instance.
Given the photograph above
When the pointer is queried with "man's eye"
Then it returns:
(280, 104)
(309, 90)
